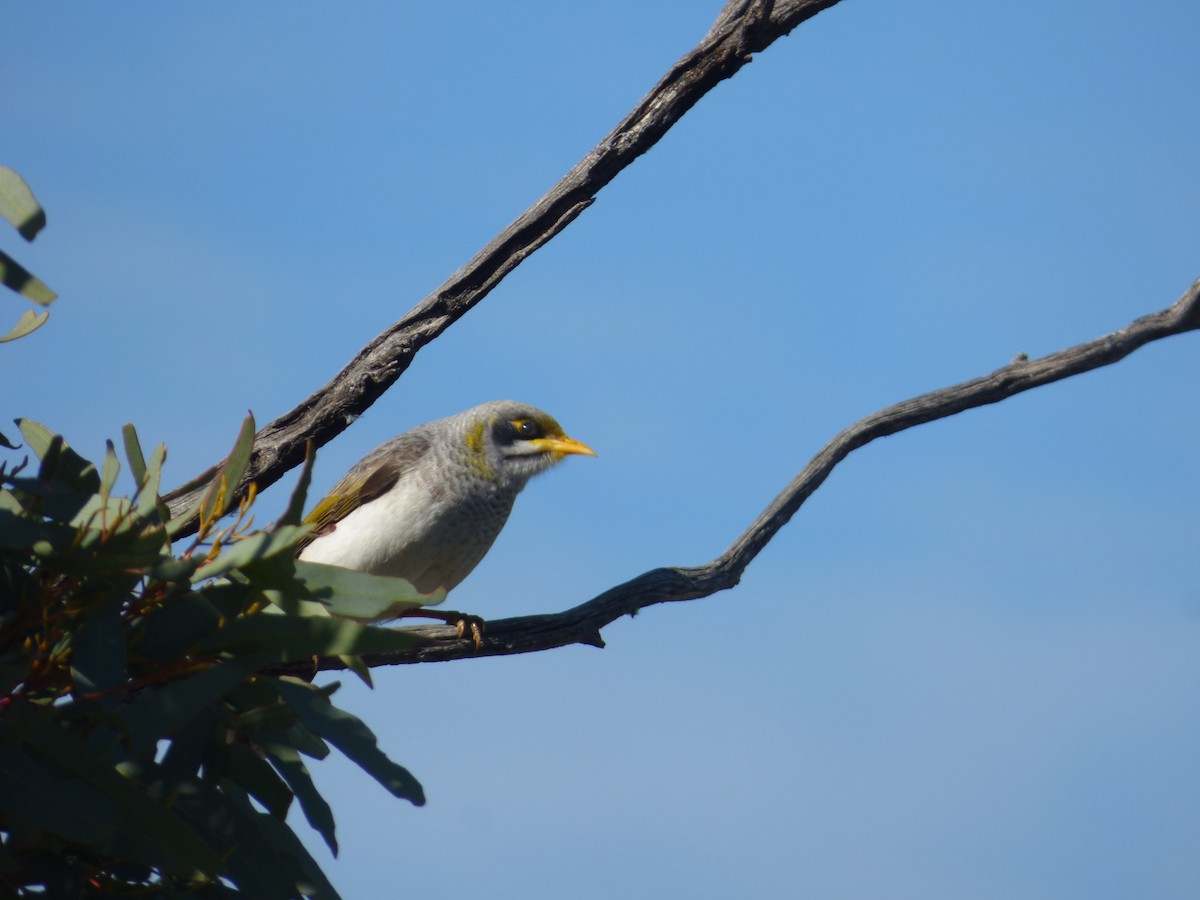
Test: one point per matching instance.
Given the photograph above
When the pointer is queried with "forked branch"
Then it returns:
(744, 27)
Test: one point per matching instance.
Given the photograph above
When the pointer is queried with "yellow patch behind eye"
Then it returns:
(475, 452)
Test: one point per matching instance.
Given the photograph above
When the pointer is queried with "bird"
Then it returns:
(426, 506)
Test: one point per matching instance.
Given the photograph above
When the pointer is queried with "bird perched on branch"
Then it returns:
(427, 505)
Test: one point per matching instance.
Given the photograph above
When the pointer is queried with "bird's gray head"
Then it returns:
(510, 442)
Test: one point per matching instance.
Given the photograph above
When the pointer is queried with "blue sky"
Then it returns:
(967, 668)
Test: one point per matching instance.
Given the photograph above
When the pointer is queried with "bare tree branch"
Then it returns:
(582, 624)
(743, 27)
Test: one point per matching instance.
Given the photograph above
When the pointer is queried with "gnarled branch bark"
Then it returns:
(743, 27)
(582, 624)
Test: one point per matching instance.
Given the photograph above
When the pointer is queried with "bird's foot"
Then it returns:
(464, 623)
(472, 624)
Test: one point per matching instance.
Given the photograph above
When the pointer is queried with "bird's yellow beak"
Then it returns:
(563, 445)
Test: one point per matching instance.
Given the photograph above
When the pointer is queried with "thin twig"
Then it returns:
(582, 624)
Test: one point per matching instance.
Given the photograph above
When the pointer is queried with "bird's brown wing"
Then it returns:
(370, 478)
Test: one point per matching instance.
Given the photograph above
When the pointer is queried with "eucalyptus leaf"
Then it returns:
(294, 859)
(101, 509)
(315, 884)
(268, 719)
(172, 629)
(19, 206)
(63, 463)
(189, 747)
(316, 810)
(255, 776)
(258, 546)
(16, 277)
(359, 595)
(255, 694)
(231, 825)
(148, 502)
(351, 736)
(149, 743)
(110, 469)
(294, 513)
(98, 653)
(29, 322)
(51, 802)
(172, 844)
(133, 452)
(159, 713)
(21, 532)
(293, 638)
(305, 741)
(218, 499)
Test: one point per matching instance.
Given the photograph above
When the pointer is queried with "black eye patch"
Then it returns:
(526, 429)
(507, 432)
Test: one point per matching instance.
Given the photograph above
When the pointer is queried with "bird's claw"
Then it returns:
(473, 624)
(463, 623)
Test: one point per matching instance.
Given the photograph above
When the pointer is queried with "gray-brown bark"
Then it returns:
(582, 624)
(744, 27)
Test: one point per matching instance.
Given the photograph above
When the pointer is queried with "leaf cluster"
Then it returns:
(18, 205)
(144, 751)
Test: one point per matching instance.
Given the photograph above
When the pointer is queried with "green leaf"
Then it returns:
(230, 598)
(360, 596)
(160, 833)
(59, 461)
(256, 694)
(16, 277)
(284, 840)
(189, 746)
(218, 499)
(110, 469)
(100, 509)
(294, 514)
(292, 638)
(257, 778)
(306, 742)
(98, 653)
(258, 546)
(29, 322)
(316, 810)
(20, 533)
(169, 568)
(19, 206)
(50, 802)
(170, 630)
(160, 713)
(16, 586)
(245, 838)
(148, 502)
(292, 858)
(118, 563)
(269, 719)
(356, 665)
(351, 736)
(133, 453)
(36, 435)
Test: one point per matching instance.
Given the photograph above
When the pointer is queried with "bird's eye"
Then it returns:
(526, 429)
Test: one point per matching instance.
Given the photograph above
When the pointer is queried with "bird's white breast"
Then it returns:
(409, 534)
